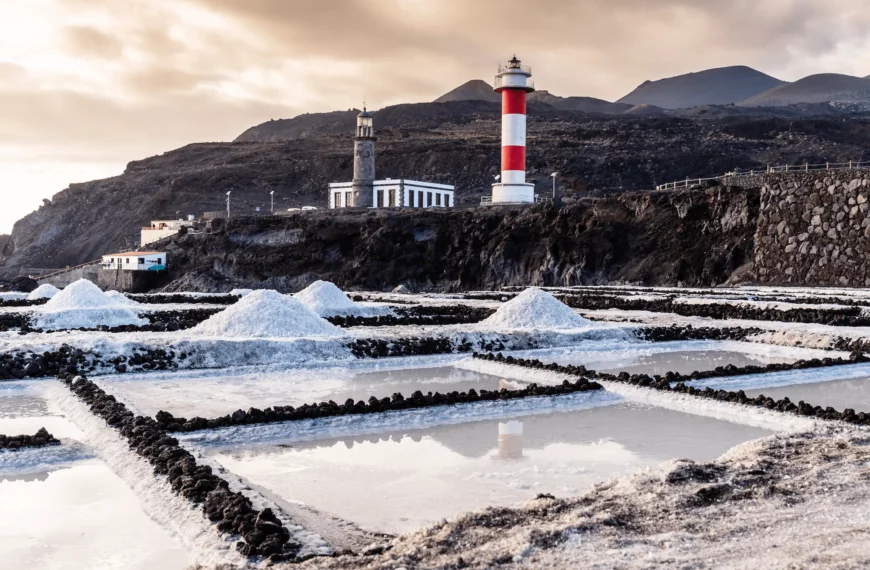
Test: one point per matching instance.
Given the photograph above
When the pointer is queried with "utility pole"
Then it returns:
(228, 204)
(272, 195)
(553, 176)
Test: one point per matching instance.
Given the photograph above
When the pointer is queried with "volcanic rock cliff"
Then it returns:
(697, 237)
(455, 142)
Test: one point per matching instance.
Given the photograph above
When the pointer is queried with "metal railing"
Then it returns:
(487, 201)
(738, 173)
(500, 82)
(507, 67)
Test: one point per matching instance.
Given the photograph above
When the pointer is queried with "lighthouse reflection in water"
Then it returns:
(510, 440)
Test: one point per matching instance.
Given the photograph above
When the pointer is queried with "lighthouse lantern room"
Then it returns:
(513, 82)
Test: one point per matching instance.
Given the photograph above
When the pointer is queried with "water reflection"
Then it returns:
(400, 480)
(510, 440)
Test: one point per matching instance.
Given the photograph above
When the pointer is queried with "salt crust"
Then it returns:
(534, 309)
(83, 305)
(267, 314)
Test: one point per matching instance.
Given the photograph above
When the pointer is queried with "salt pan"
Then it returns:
(267, 314)
(44, 291)
(534, 309)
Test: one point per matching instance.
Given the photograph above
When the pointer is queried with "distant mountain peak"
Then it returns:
(718, 86)
(474, 90)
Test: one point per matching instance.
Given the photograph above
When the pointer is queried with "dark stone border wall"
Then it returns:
(261, 532)
(664, 384)
(374, 405)
(172, 298)
(847, 316)
(69, 360)
(40, 439)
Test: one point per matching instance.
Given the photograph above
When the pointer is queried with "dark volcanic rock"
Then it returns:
(456, 142)
(696, 238)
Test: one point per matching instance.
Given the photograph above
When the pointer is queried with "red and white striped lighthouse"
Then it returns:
(513, 82)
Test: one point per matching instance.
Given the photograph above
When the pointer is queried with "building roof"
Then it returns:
(134, 253)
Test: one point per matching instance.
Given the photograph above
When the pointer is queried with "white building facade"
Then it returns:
(399, 193)
(160, 229)
(136, 261)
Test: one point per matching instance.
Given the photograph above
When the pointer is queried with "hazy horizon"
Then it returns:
(89, 85)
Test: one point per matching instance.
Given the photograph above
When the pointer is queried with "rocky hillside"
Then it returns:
(455, 142)
(709, 87)
(695, 238)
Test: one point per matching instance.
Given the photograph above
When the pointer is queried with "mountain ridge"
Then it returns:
(716, 86)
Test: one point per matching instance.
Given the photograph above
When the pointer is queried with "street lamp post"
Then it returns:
(553, 176)
(272, 195)
(228, 204)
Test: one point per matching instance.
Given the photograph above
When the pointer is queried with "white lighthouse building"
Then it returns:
(513, 82)
(366, 192)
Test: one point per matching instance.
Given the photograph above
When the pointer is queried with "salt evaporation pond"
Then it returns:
(23, 410)
(403, 480)
(219, 392)
(81, 516)
(63, 509)
(840, 394)
(662, 357)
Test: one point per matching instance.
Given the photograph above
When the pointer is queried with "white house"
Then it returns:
(399, 193)
(136, 261)
(160, 229)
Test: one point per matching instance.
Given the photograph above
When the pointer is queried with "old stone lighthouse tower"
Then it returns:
(364, 161)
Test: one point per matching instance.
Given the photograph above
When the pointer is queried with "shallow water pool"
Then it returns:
(81, 516)
(402, 480)
(216, 393)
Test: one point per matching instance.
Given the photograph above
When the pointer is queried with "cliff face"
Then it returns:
(456, 143)
(695, 238)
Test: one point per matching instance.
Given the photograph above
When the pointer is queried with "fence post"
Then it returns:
(850, 165)
(827, 166)
(806, 167)
(786, 168)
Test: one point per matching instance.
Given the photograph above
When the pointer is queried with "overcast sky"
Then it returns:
(88, 85)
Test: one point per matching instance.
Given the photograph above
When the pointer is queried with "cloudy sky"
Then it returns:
(88, 85)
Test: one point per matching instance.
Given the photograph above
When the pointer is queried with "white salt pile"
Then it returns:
(534, 309)
(327, 300)
(44, 291)
(121, 298)
(267, 314)
(83, 305)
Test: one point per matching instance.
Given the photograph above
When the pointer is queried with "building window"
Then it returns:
(392, 195)
(337, 198)
(438, 198)
(127, 260)
(348, 199)
(429, 199)
(419, 198)
(141, 261)
(380, 202)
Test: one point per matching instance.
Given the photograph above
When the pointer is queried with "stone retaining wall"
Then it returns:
(814, 229)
